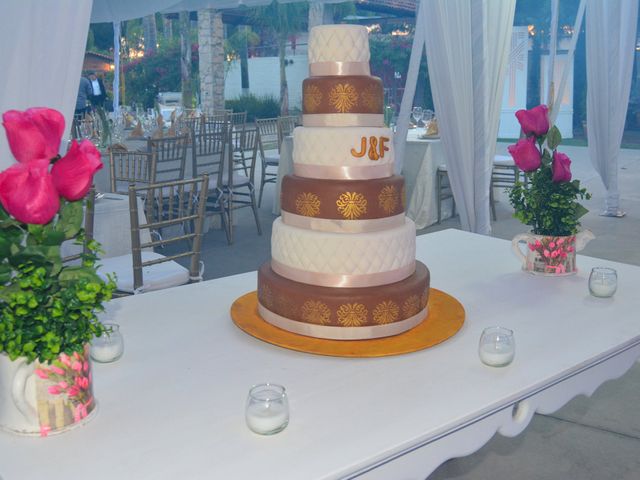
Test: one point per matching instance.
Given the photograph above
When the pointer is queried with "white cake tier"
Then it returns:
(357, 153)
(338, 43)
(343, 120)
(343, 260)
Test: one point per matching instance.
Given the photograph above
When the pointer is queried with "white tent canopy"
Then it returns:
(44, 46)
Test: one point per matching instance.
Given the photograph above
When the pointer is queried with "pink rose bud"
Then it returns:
(53, 390)
(552, 244)
(34, 134)
(532, 247)
(63, 385)
(525, 154)
(560, 241)
(534, 121)
(41, 373)
(546, 253)
(561, 167)
(77, 366)
(73, 174)
(57, 370)
(73, 391)
(64, 358)
(27, 192)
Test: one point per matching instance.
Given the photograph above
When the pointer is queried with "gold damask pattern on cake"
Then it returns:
(372, 98)
(424, 298)
(266, 297)
(307, 204)
(352, 314)
(315, 312)
(343, 97)
(411, 306)
(286, 306)
(386, 312)
(351, 205)
(388, 199)
(312, 98)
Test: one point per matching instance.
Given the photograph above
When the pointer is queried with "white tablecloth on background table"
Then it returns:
(421, 160)
(285, 167)
(112, 226)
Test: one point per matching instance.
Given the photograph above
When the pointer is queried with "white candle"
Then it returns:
(105, 350)
(497, 354)
(602, 288)
(267, 417)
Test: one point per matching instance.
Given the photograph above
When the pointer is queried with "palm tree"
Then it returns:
(211, 58)
(283, 20)
(185, 59)
(150, 34)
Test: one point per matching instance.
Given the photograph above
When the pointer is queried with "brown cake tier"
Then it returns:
(306, 202)
(342, 94)
(343, 313)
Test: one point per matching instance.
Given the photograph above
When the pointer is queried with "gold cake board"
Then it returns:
(446, 316)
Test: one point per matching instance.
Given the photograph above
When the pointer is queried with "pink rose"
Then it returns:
(34, 134)
(525, 154)
(552, 245)
(73, 174)
(546, 253)
(53, 390)
(41, 373)
(27, 192)
(561, 167)
(57, 370)
(534, 121)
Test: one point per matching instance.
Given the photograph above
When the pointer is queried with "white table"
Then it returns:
(173, 406)
(421, 161)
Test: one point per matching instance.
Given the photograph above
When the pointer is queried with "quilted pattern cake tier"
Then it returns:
(359, 147)
(338, 43)
(334, 259)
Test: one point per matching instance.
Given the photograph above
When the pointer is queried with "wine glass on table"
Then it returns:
(416, 113)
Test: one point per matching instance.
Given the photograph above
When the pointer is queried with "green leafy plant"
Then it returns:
(256, 107)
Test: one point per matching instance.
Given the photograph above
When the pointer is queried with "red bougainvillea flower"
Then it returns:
(34, 134)
(561, 168)
(73, 174)
(534, 121)
(525, 154)
(27, 192)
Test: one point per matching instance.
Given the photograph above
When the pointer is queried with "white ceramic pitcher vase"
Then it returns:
(45, 398)
(548, 254)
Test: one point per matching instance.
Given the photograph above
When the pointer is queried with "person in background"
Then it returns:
(84, 93)
(98, 92)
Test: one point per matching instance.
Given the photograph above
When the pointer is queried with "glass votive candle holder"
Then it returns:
(267, 409)
(497, 346)
(603, 282)
(109, 346)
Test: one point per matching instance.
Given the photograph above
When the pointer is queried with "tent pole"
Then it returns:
(553, 48)
(116, 69)
(555, 108)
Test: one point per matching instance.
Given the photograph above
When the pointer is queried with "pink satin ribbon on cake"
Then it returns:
(343, 172)
(320, 69)
(342, 226)
(343, 120)
(341, 333)
(342, 281)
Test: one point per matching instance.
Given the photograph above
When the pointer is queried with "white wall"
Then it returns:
(264, 78)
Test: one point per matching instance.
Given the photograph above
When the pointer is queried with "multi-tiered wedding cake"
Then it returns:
(343, 253)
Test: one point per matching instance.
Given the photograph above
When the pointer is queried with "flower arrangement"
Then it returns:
(47, 308)
(548, 199)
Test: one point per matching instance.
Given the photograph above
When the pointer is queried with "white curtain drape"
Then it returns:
(41, 57)
(466, 71)
(610, 44)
